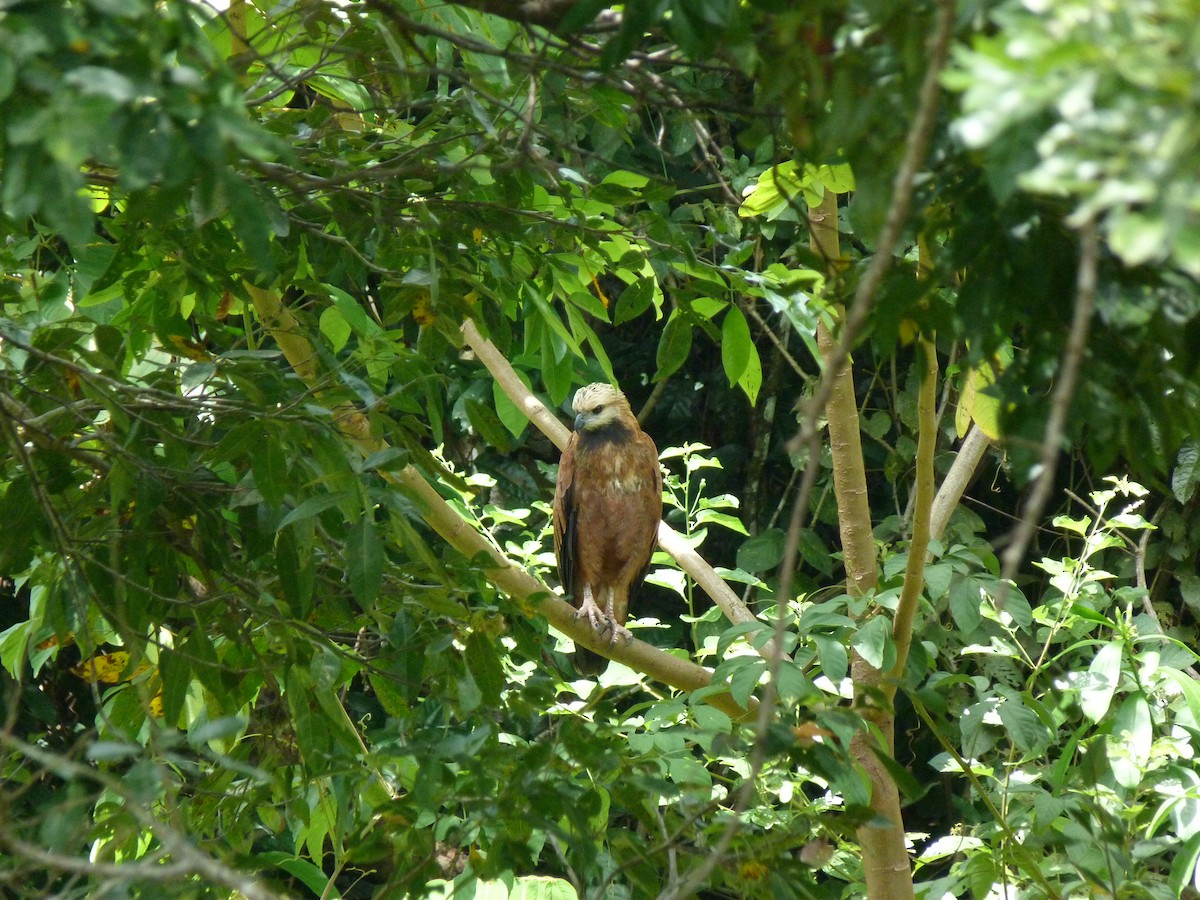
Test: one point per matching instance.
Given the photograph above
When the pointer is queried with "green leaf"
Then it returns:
(621, 178)
(736, 344)
(13, 641)
(335, 328)
(311, 507)
(1186, 476)
(325, 668)
(937, 580)
(761, 552)
(219, 729)
(751, 380)
(837, 178)
(1187, 687)
(771, 194)
(634, 300)
(484, 663)
(487, 423)
(352, 312)
(739, 355)
(22, 525)
(364, 560)
(269, 464)
(747, 671)
(1023, 727)
(976, 404)
(304, 871)
(733, 523)
(1131, 740)
(1184, 870)
(175, 670)
(1104, 673)
(965, 599)
(873, 642)
(835, 661)
(510, 415)
(1137, 238)
(793, 685)
(673, 346)
(102, 82)
(297, 576)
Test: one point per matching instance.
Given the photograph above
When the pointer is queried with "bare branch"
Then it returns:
(954, 485)
(1060, 402)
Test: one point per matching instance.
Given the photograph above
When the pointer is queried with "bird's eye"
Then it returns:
(597, 410)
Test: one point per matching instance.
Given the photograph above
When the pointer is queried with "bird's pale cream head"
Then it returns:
(598, 405)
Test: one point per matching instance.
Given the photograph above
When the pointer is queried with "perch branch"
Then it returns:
(506, 575)
(668, 538)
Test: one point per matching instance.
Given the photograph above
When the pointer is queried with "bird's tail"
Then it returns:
(588, 662)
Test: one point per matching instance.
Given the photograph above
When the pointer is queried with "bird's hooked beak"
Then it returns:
(581, 421)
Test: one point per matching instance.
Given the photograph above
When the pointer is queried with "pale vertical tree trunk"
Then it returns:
(885, 857)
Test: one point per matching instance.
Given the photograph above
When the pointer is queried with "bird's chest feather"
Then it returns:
(617, 502)
(613, 471)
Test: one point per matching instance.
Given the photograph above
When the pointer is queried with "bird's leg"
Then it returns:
(618, 630)
(594, 613)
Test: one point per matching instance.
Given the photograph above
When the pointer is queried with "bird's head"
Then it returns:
(598, 406)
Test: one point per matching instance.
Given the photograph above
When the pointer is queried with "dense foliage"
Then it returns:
(238, 247)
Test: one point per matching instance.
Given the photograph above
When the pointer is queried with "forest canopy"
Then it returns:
(294, 298)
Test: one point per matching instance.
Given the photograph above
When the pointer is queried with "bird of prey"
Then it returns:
(607, 505)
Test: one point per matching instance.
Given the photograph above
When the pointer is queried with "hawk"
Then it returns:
(607, 505)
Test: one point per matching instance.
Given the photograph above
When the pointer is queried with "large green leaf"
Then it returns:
(364, 559)
(1103, 676)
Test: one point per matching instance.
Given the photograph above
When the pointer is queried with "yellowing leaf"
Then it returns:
(107, 668)
(423, 311)
(190, 349)
(975, 403)
(599, 292)
(156, 705)
(477, 235)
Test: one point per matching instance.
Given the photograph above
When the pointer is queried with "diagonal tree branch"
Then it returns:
(668, 539)
(954, 483)
(679, 673)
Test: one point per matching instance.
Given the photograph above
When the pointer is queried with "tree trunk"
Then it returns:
(885, 857)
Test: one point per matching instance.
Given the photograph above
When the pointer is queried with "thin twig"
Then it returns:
(180, 848)
(1139, 561)
(1060, 404)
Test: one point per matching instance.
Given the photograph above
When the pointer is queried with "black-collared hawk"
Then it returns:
(607, 505)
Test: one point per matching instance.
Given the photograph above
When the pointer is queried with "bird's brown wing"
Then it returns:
(566, 534)
(566, 518)
(650, 513)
